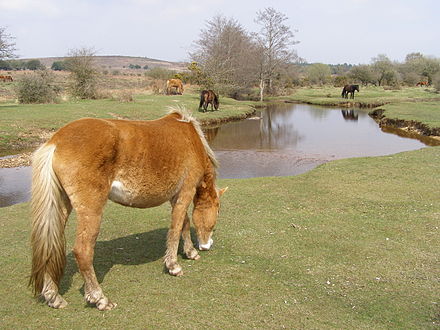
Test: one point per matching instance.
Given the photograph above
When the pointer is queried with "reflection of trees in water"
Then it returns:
(210, 133)
(273, 129)
(350, 114)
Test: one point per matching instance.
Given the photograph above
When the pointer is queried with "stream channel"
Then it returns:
(281, 140)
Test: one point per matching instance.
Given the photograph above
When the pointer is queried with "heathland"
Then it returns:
(350, 244)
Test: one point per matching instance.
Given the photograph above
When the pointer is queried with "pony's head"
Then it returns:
(205, 213)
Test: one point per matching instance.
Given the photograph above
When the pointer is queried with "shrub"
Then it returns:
(125, 96)
(83, 74)
(160, 73)
(436, 82)
(59, 66)
(37, 87)
(34, 65)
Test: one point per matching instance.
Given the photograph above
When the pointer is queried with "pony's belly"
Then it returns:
(131, 196)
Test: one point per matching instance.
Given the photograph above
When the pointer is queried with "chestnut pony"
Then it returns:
(134, 163)
(175, 84)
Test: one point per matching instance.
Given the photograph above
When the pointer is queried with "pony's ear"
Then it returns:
(222, 191)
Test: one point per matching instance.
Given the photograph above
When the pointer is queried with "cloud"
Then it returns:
(41, 7)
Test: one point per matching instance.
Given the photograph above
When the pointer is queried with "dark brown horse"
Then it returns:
(208, 97)
(349, 89)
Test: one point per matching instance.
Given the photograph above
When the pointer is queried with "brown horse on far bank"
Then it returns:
(174, 85)
(139, 164)
(208, 97)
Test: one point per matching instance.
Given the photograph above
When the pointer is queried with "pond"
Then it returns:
(286, 139)
(290, 139)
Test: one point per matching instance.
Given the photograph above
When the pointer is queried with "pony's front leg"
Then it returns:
(180, 206)
(188, 247)
(87, 233)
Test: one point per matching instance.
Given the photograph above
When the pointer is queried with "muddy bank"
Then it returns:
(410, 126)
(210, 122)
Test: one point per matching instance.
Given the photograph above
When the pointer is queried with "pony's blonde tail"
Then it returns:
(48, 221)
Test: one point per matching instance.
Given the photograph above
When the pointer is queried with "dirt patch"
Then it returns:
(19, 160)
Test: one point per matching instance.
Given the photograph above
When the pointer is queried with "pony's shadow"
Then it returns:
(134, 249)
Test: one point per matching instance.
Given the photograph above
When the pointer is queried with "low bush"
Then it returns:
(38, 87)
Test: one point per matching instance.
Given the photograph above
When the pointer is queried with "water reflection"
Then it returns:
(350, 114)
(293, 138)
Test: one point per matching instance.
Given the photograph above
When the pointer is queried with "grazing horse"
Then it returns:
(134, 163)
(6, 78)
(174, 84)
(208, 97)
(422, 83)
(349, 89)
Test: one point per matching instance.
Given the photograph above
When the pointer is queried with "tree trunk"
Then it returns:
(261, 89)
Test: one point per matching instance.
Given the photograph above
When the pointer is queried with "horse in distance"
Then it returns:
(6, 78)
(139, 164)
(174, 85)
(422, 83)
(208, 97)
(349, 89)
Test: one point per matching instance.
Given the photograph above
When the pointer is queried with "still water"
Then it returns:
(291, 139)
(281, 140)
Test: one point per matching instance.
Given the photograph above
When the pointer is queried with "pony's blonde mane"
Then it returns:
(187, 117)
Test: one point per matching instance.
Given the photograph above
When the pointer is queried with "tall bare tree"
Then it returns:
(7, 46)
(225, 53)
(276, 40)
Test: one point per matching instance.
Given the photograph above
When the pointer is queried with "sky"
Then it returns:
(331, 32)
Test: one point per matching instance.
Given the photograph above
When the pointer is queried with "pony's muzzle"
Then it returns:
(207, 246)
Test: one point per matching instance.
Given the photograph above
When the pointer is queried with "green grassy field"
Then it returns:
(367, 97)
(21, 125)
(352, 244)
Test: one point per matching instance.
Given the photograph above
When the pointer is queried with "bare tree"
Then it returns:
(7, 47)
(83, 74)
(275, 40)
(225, 53)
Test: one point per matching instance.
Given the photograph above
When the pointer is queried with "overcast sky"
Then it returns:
(329, 31)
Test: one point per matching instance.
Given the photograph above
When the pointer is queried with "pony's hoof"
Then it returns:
(193, 254)
(105, 305)
(176, 271)
(58, 302)
(54, 299)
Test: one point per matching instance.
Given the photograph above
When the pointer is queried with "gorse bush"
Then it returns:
(37, 87)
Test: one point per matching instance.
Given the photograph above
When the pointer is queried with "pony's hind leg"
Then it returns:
(87, 232)
(188, 247)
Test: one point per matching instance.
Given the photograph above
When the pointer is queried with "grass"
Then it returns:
(351, 244)
(367, 96)
(23, 124)
(424, 112)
